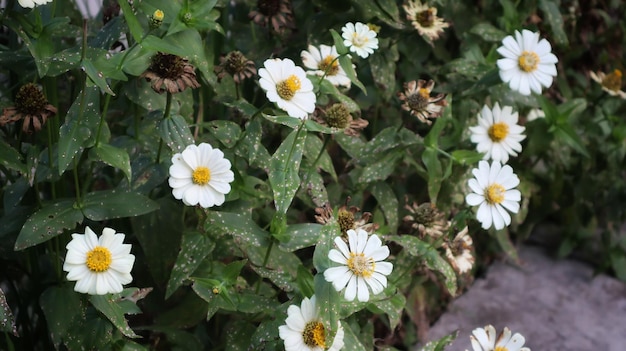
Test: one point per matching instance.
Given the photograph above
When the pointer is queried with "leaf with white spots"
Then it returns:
(194, 248)
(284, 167)
(63, 309)
(113, 311)
(48, 222)
(388, 203)
(175, 132)
(108, 204)
(302, 235)
(114, 157)
(82, 119)
(430, 256)
(10, 158)
(7, 321)
(96, 76)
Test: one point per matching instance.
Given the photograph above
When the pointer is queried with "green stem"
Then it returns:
(319, 156)
(76, 182)
(105, 109)
(166, 114)
(265, 260)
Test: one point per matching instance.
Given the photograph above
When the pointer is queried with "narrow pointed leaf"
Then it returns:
(48, 222)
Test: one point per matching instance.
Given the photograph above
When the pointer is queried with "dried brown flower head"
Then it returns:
(31, 106)
(424, 19)
(417, 100)
(237, 65)
(338, 116)
(348, 217)
(426, 219)
(170, 72)
(611, 83)
(459, 252)
(275, 12)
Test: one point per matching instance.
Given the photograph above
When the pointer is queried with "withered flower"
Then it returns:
(338, 116)
(417, 100)
(275, 12)
(237, 65)
(424, 19)
(426, 219)
(611, 83)
(348, 217)
(170, 72)
(31, 106)
(459, 252)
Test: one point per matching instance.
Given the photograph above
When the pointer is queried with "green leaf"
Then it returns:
(227, 132)
(108, 204)
(48, 222)
(312, 149)
(338, 41)
(348, 67)
(502, 236)
(439, 345)
(488, 32)
(388, 203)
(82, 118)
(553, 17)
(382, 168)
(328, 302)
(175, 132)
(568, 135)
(328, 233)
(302, 235)
(11, 158)
(392, 307)
(110, 306)
(194, 248)
(96, 76)
(63, 308)
(352, 342)
(435, 173)
(284, 167)
(133, 23)
(326, 87)
(430, 255)
(114, 157)
(305, 281)
(466, 157)
(7, 321)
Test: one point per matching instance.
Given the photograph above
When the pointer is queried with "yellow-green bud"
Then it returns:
(157, 19)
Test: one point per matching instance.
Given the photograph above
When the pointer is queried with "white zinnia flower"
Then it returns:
(528, 62)
(323, 61)
(361, 263)
(484, 339)
(493, 191)
(200, 175)
(288, 86)
(32, 3)
(359, 38)
(304, 330)
(98, 265)
(497, 134)
(459, 252)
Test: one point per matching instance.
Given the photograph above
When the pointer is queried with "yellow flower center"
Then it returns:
(360, 265)
(426, 18)
(500, 348)
(419, 101)
(494, 194)
(314, 334)
(498, 131)
(288, 87)
(528, 61)
(613, 81)
(158, 15)
(329, 65)
(345, 219)
(98, 259)
(201, 176)
(359, 40)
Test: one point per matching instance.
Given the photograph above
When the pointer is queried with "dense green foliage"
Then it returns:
(223, 278)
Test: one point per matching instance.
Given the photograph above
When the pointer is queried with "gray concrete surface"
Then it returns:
(556, 304)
